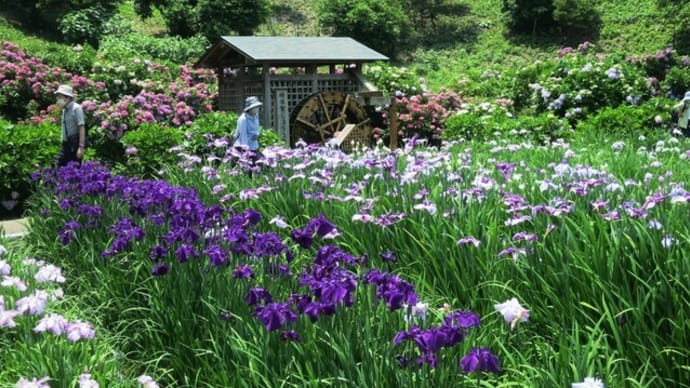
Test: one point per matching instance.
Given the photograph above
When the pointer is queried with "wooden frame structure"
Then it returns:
(283, 71)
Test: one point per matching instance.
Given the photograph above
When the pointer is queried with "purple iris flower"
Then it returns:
(216, 255)
(321, 225)
(431, 340)
(242, 272)
(388, 256)
(300, 301)
(462, 319)
(480, 360)
(275, 315)
(256, 295)
(268, 245)
(290, 335)
(427, 358)
(157, 252)
(303, 237)
(252, 216)
(184, 252)
(160, 269)
(315, 309)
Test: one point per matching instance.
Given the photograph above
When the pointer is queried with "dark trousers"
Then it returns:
(68, 153)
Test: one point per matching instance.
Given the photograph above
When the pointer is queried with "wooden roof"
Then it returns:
(240, 51)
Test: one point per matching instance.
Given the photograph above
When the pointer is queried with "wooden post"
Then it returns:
(267, 110)
(393, 124)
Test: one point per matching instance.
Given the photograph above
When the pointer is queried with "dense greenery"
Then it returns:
(210, 18)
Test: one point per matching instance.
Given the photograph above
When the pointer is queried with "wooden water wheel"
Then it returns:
(321, 116)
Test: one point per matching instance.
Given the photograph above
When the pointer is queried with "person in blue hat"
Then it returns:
(683, 111)
(247, 131)
(72, 127)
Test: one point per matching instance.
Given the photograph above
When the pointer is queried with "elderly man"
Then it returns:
(72, 125)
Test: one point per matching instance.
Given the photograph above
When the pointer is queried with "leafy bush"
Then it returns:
(580, 84)
(677, 80)
(393, 80)
(85, 25)
(73, 59)
(477, 123)
(23, 150)
(577, 17)
(378, 24)
(657, 65)
(173, 50)
(45, 16)
(147, 149)
(626, 120)
(269, 137)
(207, 128)
(489, 122)
(211, 18)
(528, 16)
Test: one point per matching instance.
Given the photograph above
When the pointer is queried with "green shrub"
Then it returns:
(207, 128)
(579, 84)
(269, 137)
(648, 118)
(44, 16)
(468, 126)
(577, 17)
(491, 122)
(85, 25)
(393, 80)
(147, 149)
(528, 16)
(23, 150)
(677, 80)
(378, 24)
(174, 50)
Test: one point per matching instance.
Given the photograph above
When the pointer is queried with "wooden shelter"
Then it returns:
(313, 83)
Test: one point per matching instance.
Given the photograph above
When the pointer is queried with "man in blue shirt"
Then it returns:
(72, 126)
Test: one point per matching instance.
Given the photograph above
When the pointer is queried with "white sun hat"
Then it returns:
(65, 90)
(251, 102)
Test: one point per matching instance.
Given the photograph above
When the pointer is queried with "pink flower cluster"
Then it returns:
(424, 114)
(155, 96)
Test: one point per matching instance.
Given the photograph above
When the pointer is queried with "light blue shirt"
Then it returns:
(247, 128)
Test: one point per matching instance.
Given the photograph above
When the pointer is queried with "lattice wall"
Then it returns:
(299, 87)
(232, 91)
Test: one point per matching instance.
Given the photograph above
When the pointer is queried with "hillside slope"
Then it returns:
(629, 26)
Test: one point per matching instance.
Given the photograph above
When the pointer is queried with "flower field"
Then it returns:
(477, 264)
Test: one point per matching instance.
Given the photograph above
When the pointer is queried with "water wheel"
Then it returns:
(321, 116)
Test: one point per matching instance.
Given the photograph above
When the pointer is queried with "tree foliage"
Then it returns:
(210, 18)
(376, 23)
(576, 17)
(678, 13)
(572, 18)
(45, 16)
(528, 16)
